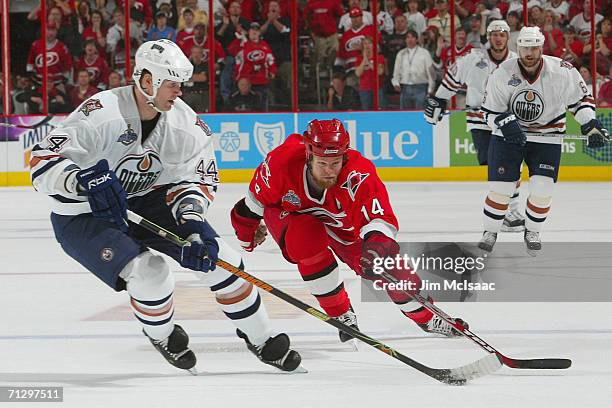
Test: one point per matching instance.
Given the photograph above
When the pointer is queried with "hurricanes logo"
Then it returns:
(139, 172)
(528, 105)
(256, 55)
(354, 43)
(52, 59)
(326, 216)
(353, 181)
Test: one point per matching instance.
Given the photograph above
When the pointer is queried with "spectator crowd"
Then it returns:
(342, 58)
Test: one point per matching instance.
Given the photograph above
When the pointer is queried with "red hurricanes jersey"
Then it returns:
(356, 205)
(350, 45)
(98, 70)
(256, 62)
(59, 60)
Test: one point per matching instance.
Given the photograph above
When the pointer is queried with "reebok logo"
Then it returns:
(98, 181)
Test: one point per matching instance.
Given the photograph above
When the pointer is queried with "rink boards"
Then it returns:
(401, 144)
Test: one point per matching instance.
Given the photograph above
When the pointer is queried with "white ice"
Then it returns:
(60, 326)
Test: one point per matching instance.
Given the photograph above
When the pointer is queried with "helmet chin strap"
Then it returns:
(150, 99)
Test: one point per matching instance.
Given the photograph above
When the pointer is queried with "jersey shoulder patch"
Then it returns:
(354, 180)
(89, 106)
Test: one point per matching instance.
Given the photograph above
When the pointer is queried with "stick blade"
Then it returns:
(479, 368)
(539, 363)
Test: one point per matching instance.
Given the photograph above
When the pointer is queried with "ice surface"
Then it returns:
(60, 326)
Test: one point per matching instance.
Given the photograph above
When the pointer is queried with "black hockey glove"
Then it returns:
(105, 193)
(202, 253)
(375, 249)
(598, 135)
(434, 109)
(511, 129)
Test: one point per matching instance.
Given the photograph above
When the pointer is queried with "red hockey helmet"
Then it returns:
(326, 138)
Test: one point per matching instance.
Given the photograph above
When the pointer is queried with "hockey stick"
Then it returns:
(43, 122)
(452, 376)
(561, 135)
(535, 363)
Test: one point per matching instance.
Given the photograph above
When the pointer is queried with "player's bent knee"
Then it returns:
(501, 189)
(541, 186)
(148, 275)
(306, 239)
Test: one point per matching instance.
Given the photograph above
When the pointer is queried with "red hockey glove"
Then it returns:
(248, 231)
(376, 245)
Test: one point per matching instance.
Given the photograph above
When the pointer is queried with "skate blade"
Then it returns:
(193, 371)
(532, 252)
(299, 370)
(519, 228)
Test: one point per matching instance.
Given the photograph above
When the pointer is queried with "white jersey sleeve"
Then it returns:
(580, 101)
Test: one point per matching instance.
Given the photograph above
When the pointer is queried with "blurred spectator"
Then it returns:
(161, 29)
(94, 64)
(351, 45)
(195, 91)
(477, 35)
(115, 33)
(396, 41)
(392, 8)
(536, 16)
(59, 60)
(443, 19)
(321, 19)
(341, 97)
(605, 92)
(57, 100)
(185, 35)
(603, 42)
(492, 9)
(249, 8)
(464, 8)
(582, 22)
(96, 31)
(23, 83)
(245, 99)
(443, 55)
(365, 71)
(573, 48)
(115, 80)
(560, 8)
(430, 10)
(277, 32)
(82, 89)
(285, 8)
(218, 9)
(106, 8)
(67, 29)
(199, 16)
(170, 10)
(83, 16)
(232, 26)
(430, 39)
(554, 41)
(515, 24)
(416, 20)
(63, 6)
(140, 11)
(585, 73)
(201, 39)
(384, 20)
(413, 74)
(515, 6)
(255, 62)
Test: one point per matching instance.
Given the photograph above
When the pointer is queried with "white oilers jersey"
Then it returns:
(471, 70)
(178, 153)
(540, 106)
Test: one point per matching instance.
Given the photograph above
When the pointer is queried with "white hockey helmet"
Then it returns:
(164, 60)
(530, 37)
(497, 25)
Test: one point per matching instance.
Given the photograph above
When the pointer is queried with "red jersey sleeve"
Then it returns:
(371, 209)
(265, 187)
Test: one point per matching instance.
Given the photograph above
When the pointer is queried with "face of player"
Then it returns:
(325, 170)
(530, 57)
(166, 93)
(499, 41)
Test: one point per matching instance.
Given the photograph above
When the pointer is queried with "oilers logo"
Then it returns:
(528, 105)
(139, 172)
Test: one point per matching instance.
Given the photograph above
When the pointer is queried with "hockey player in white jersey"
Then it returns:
(141, 147)
(531, 93)
(472, 70)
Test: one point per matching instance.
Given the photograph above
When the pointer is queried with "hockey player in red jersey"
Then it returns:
(318, 198)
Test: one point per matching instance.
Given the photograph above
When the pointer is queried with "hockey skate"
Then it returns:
(513, 222)
(487, 241)
(350, 319)
(438, 326)
(276, 352)
(175, 351)
(532, 240)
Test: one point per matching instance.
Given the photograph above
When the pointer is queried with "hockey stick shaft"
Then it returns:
(561, 135)
(456, 376)
(541, 363)
(43, 122)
